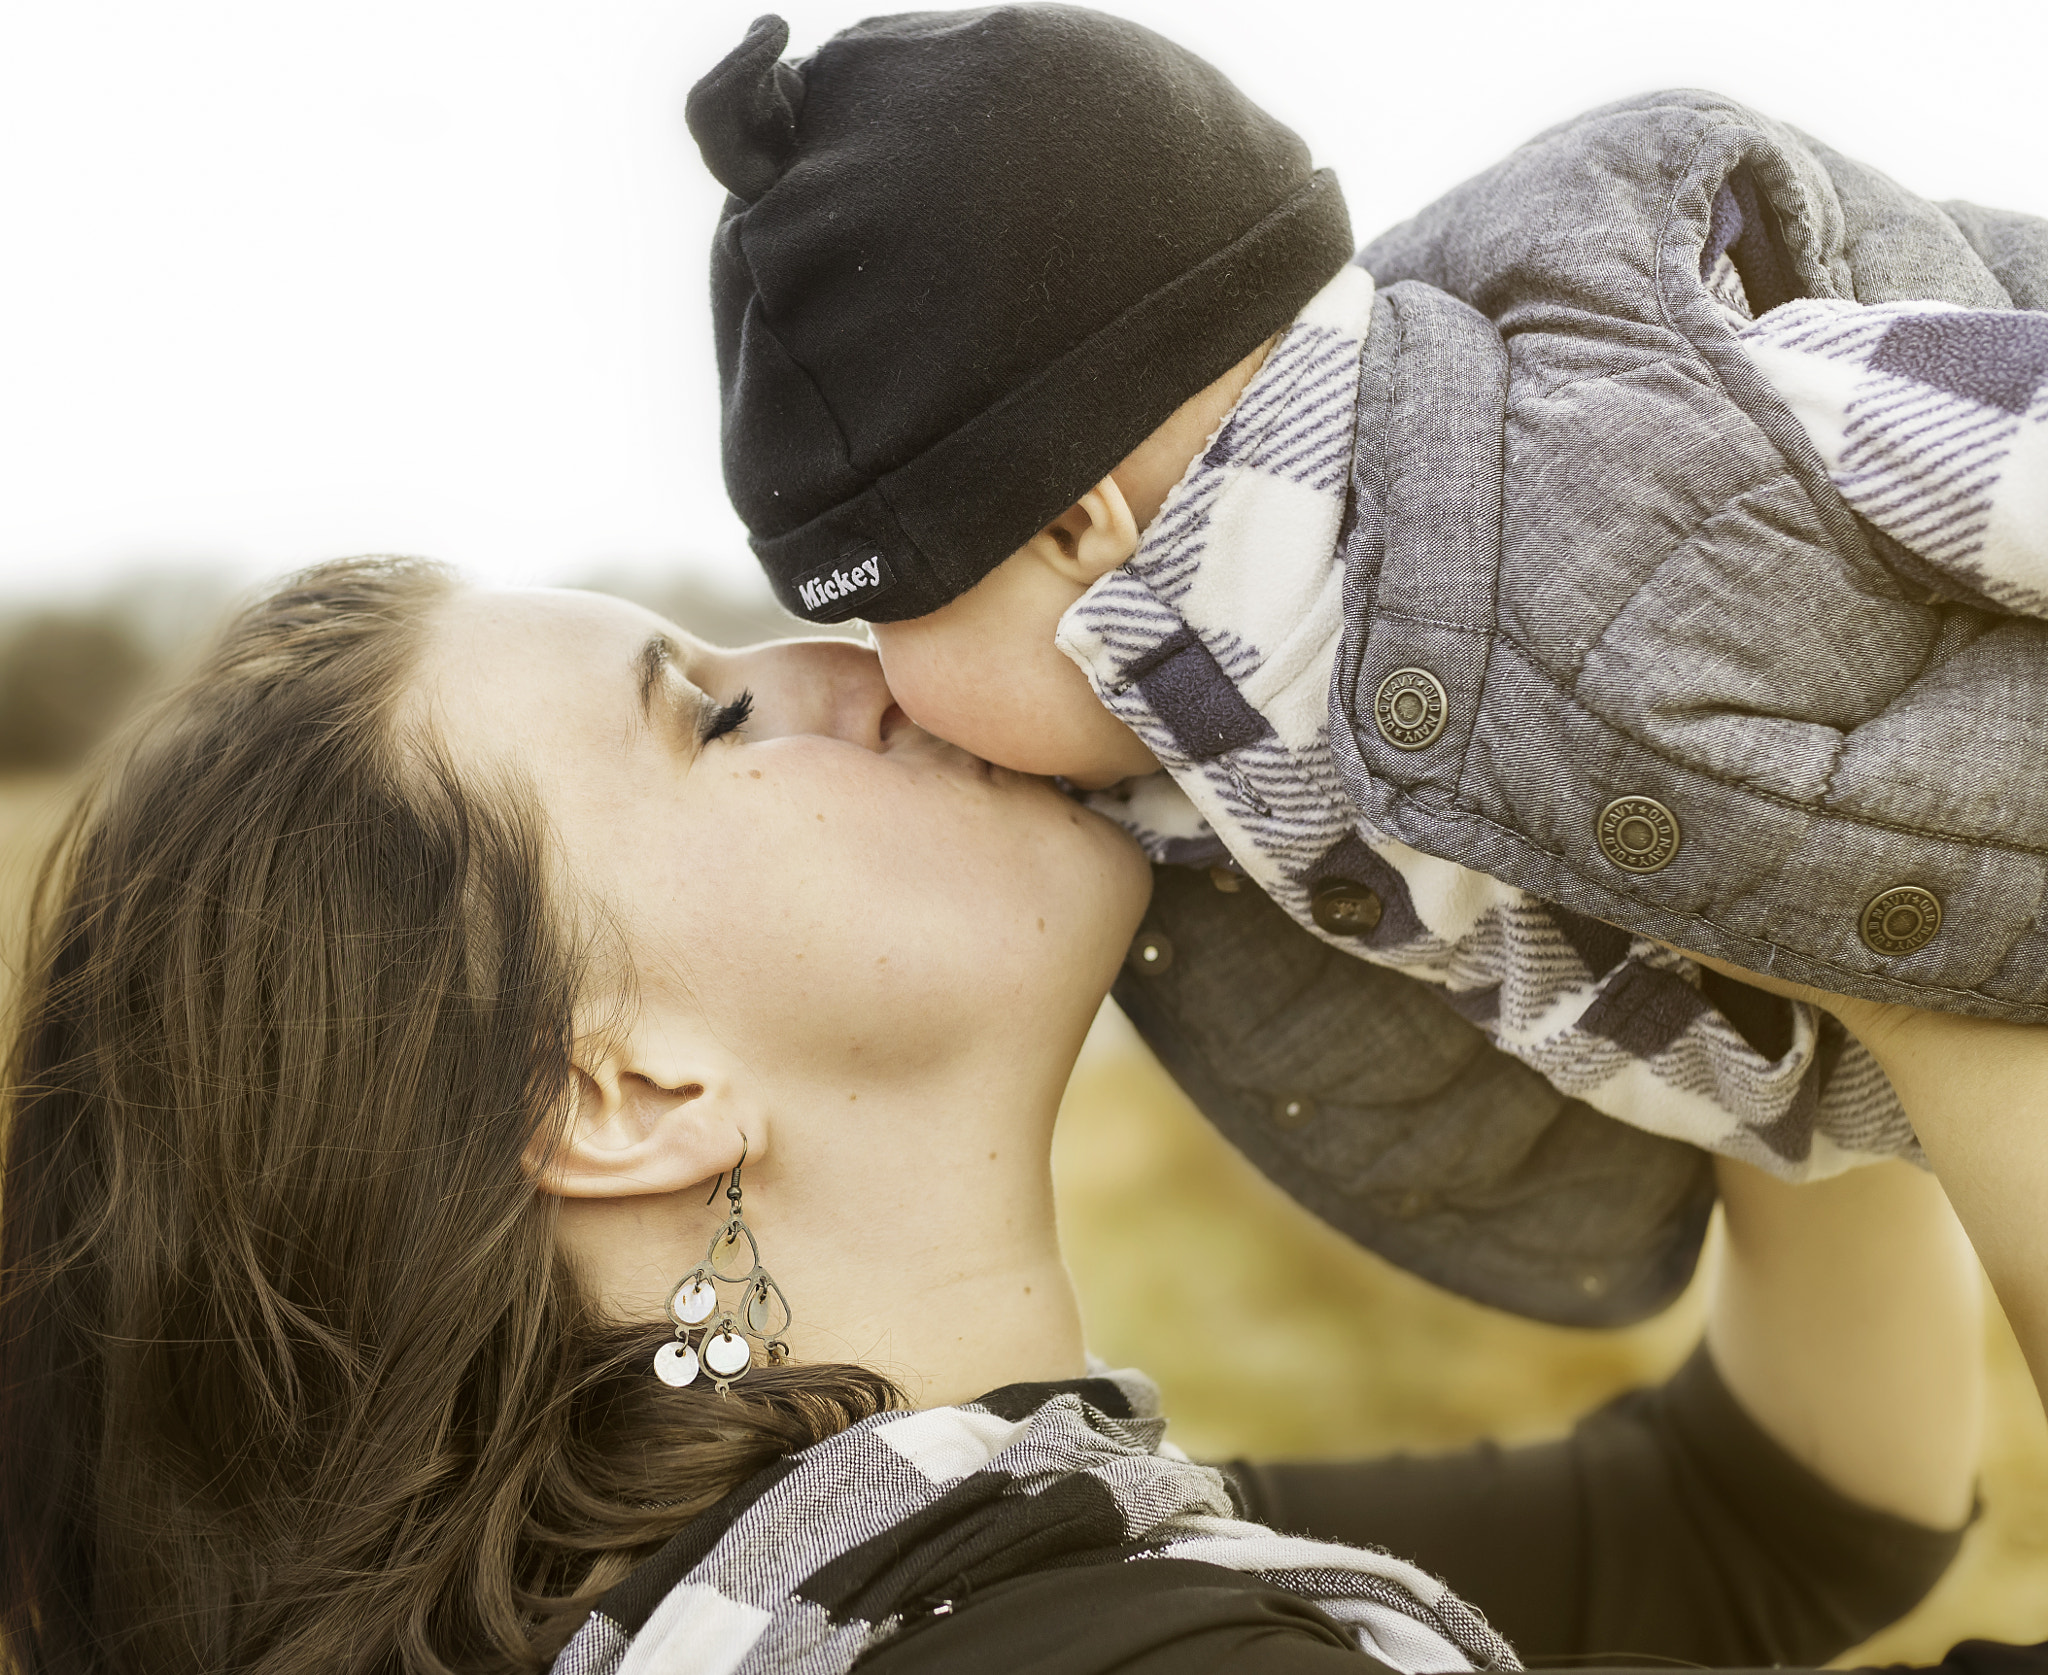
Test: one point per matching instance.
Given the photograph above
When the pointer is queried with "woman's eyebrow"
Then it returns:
(649, 663)
(652, 661)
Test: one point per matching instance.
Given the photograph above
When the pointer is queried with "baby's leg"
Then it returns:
(1846, 1319)
(1976, 1092)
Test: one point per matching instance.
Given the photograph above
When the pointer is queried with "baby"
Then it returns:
(1646, 545)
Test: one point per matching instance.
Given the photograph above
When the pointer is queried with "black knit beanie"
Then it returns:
(970, 261)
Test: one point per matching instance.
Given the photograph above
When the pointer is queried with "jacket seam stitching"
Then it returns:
(1932, 833)
(1577, 871)
(1842, 749)
(1434, 622)
(1500, 528)
(1659, 271)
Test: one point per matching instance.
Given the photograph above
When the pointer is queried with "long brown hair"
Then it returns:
(292, 1377)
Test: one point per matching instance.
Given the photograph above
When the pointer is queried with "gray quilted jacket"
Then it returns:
(1596, 646)
(1813, 759)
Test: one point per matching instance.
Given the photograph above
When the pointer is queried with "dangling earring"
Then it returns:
(721, 1349)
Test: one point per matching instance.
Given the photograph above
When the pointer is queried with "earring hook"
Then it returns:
(736, 1168)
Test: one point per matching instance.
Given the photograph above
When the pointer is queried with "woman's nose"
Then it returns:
(830, 687)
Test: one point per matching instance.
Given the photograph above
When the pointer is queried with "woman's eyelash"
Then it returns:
(728, 718)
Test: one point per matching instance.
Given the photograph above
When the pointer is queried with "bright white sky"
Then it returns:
(292, 278)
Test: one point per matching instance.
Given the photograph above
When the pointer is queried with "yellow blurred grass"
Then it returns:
(31, 805)
(1272, 1335)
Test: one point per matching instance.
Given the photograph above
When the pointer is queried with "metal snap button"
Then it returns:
(1151, 954)
(1344, 907)
(1638, 834)
(1901, 920)
(1411, 708)
(1292, 1111)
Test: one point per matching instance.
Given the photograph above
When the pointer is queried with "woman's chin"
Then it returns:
(1128, 881)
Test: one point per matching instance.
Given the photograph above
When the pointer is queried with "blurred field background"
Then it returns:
(1269, 1334)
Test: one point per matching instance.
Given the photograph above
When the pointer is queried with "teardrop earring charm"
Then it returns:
(721, 1348)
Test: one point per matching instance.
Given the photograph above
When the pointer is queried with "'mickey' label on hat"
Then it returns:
(841, 588)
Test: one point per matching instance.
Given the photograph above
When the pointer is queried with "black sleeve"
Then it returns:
(1668, 1525)
(1149, 1617)
(1175, 1617)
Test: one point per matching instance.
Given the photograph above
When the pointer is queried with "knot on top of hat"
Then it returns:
(743, 113)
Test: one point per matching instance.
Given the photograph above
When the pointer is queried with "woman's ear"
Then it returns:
(1092, 537)
(630, 1136)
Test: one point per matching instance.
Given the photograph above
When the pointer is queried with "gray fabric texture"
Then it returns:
(2013, 247)
(1359, 1092)
(1588, 514)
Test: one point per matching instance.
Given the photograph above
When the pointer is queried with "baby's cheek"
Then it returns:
(1038, 720)
(941, 681)
(905, 663)
(998, 687)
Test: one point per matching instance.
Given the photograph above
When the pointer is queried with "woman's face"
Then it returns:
(827, 888)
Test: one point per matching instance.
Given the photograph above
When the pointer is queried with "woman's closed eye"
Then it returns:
(727, 718)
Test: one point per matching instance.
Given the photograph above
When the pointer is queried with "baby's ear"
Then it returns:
(629, 1135)
(1095, 535)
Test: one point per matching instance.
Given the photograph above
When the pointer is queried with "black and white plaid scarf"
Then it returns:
(828, 1553)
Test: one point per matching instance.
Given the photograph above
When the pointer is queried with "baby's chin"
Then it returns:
(1093, 754)
(1101, 779)
(1050, 733)
(1126, 759)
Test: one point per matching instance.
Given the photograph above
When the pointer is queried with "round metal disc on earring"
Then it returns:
(1901, 920)
(727, 1354)
(1638, 834)
(675, 1364)
(1410, 709)
(692, 1304)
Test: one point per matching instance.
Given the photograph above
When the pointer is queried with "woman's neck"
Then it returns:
(911, 1231)
(948, 1332)
(927, 1243)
